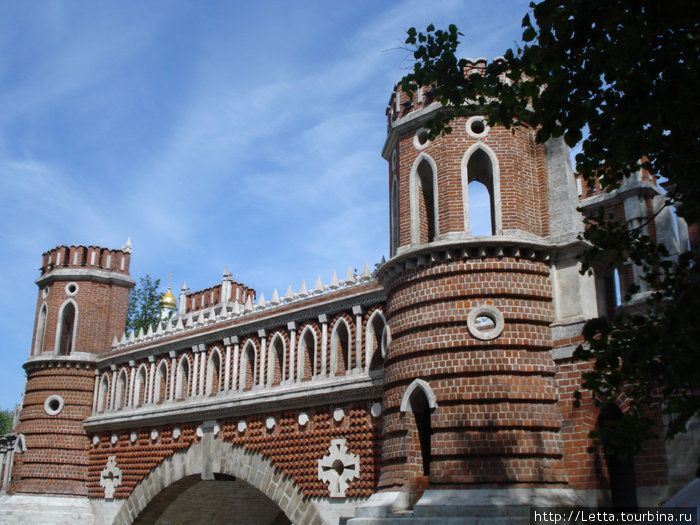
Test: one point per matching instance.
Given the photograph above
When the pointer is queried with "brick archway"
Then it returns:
(212, 459)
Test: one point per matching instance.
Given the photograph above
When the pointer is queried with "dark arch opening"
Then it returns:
(426, 202)
(623, 482)
(421, 413)
(67, 329)
(482, 219)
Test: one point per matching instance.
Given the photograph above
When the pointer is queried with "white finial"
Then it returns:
(334, 282)
(140, 334)
(127, 247)
(261, 301)
(303, 292)
(318, 287)
(123, 340)
(248, 306)
(366, 275)
(115, 342)
(189, 323)
(275, 298)
(383, 261)
(289, 296)
(349, 277)
(179, 326)
(184, 286)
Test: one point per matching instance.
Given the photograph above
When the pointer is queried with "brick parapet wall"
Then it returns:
(85, 257)
(290, 446)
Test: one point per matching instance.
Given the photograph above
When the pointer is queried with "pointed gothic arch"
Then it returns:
(481, 175)
(161, 382)
(103, 394)
(246, 380)
(66, 328)
(213, 384)
(419, 400)
(276, 360)
(120, 396)
(182, 380)
(140, 390)
(374, 331)
(40, 330)
(308, 351)
(424, 200)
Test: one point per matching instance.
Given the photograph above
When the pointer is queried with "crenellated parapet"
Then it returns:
(86, 257)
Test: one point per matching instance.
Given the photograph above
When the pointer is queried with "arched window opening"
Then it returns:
(421, 413)
(375, 329)
(623, 482)
(214, 373)
(140, 388)
(160, 392)
(103, 395)
(307, 350)
(482, 218)
(276, 362)
(426, 202)
(341, 349)
(66, 329)
(394, 216)
(182, 381)
(247, 379)
(40, 331)
(120, 397)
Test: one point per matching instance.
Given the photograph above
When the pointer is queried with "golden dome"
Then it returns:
(168, 300)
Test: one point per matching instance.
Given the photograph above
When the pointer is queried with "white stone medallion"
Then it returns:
(338, 468)
(110, 477)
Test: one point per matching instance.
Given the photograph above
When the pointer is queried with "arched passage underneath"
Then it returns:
(227, 484)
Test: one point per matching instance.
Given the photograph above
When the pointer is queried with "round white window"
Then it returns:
(53, 405)
(485, 322)
(476, 127)
(420, 139)
(72, 288)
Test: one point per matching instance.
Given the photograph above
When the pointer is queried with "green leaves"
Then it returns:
(144, 305)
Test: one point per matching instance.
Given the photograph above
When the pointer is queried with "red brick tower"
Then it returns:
(82, 303)
(481, 283)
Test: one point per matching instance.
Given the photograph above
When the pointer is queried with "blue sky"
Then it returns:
(222, 134)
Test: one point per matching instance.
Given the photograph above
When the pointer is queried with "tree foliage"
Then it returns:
(6, 417)
(144, 305)
(620, 79)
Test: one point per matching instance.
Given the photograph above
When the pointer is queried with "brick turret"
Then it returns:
(473, 305)
(82, 303)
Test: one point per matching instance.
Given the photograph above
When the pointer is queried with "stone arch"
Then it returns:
(40, 329)
(140, 386)
(211, 459)
(341, 347)
(182, 381)
(122, 390)
(103, 394)
(419, 400)
(480, 165)
(277, 357)
(308, 351)
(214, 375)
(66, 328)
(374, 330)
(424, 200)
(160, 392)
(248, 367)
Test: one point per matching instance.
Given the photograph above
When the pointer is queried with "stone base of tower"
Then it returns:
(21, 509)
(465, 507)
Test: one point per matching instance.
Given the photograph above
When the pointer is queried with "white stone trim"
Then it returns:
(57, 402)
(488, 311)
(425, 387)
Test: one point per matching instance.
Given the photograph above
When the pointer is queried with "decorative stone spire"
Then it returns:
(127, 247)
(289, 296)
(318, 287)
(349, 277)
(303, 292)
(334, 285)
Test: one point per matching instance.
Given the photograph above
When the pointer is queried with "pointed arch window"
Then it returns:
(276, 361)
(480, 185)
(120, 395)
(103, 394)
(423, 201)
(65, 340)
(373, 339)
(419, 399)
(182, 382)
(247, 373)
(214, 373)
(307, 352)
(341, 348)
(159, 393)
(140, 387)
(394, 216)
(40, 330)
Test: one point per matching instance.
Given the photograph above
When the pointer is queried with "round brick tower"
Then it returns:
(81, 307)
(480, 284)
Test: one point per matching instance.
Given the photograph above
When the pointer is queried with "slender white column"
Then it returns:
(151, 377)
(323, 319)
(202, 367)
(357, 310)
(95, 390)
(227, 367)
(292, 327)
(195, 370)
(113, 390)
(262, 334)
(173, 355)
(236, 352)
(132, 376)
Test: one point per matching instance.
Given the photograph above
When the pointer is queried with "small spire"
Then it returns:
(303, 292)
(275, 298)
(289, 296)
(184, 287)
(334, 282)
(127, 247)
(248, 306)
(114, 342)
(318, 287)
(383, 261)
(261, 301)
(366, 275)
(179, 326)
(349, 277)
